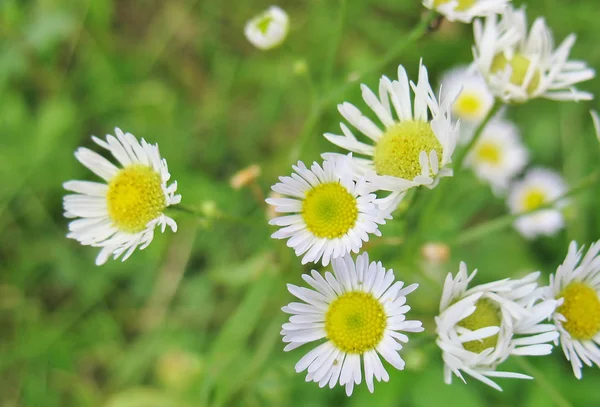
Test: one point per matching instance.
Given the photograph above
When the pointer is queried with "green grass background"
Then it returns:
(194, 320)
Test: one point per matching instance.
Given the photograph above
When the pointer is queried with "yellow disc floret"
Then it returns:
(462, 4)
(135, 197)
(397, 151)
(533, 199)
(581, 309)
(519, 65)
(488, 152)
(355, 322)
(329, 210)
(264, 23)
(486, 314)
(468, 105)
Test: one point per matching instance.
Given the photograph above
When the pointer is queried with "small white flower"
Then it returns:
(466, 10)
(539, 187)
(326, 215)
(474, 99)
(520, 65)
(596, 120)
(478, 328)
(415, 148)
(268, 29)
(359, 314)
(120, 214)
(577, 284)
(499, 155)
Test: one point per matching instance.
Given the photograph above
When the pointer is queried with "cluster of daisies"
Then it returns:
(356, 314)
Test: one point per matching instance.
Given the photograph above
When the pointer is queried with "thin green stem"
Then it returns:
(543, 382)
(500, 223)
(214, 214)
(458, 163)
(328, 76)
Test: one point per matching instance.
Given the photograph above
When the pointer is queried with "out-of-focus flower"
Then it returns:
(245, 177)
(415, 148)
(499, 155)
(326, 215)
(435, 253)
(539, 187)
(520, 65)
(577, 284)
(479, 328)
(268, 29)
(360, 313)
(466, 10)
(120, 214)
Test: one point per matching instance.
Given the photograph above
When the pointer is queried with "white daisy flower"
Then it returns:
(326, 215)
(268, 29)
(577, 284)
(521, 65)
(356, 314)
(466, 10)
(499, 155)
(121, 213)
(413, 149)
(474, 100)
(539, 187)
(480, 327)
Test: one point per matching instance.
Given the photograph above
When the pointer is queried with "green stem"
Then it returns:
(500, 223)
(335, 44)
(205, 218)
(543, 382)
(458, 163)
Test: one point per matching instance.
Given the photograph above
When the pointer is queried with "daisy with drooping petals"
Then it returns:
(268, 29)
(499, 155)
(359, 313)
(120, 214)
(415, 148)
(326, 215)
(519, 65)
(474, 99)
(478, 328)
(466, 10)
(577, 284)
(539, 187)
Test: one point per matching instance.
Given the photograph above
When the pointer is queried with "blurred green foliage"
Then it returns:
(194, 320)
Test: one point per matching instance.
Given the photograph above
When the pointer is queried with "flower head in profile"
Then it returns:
(499, 155)
(120, 214)
(520, 65)
(360, 313)
(474, 100)
(326, 216)
(577, 285)
(268, 29)
(418, 138)
(479, 328)
(538, 188)
(466, 10)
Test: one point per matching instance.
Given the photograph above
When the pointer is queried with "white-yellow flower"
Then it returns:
(520, 65)
(268, 29)
(121, 213)
(357, 314)
(418, 139)
(577, 284)
(538, 188)
(466, 10)
(499, 155)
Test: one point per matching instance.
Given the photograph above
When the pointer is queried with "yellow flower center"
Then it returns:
(468, 105)
(329, 210)
(486, 314)
(462, 4)
(581, 308)
(135, 197)
(264, 23)
(397, 151)
(355, 322)
(488, 152)
(533, 199)
(519, 65)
